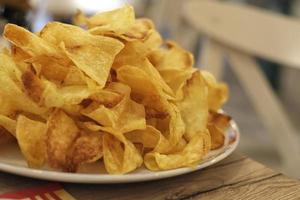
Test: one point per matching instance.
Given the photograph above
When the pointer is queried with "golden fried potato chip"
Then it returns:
(19, 100)
(19, 54)
(176, 79)
(6, 106)
(192, 153)
(144, 88)
(217, 136)
(9, 66)
(118, 158)
(194, 101)
(177, 127)
(148, 137)
(86, 149)
(31, 136)
(91, 54)
(141, 30)
(107, 98)
(217, 125)
(33, 86)
(126, 116)
(134, 55)
(152, 40)
(49, 68)
(31, 43)
(118, 20)
(217, 92)
(172, 57)
(220, 120)
(61, 134)
(53, 96)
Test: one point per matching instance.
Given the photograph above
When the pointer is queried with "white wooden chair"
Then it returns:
(241, 33)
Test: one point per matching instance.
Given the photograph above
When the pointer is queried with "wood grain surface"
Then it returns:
(236, 177)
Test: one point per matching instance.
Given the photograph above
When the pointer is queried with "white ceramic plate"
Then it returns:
(12, 161)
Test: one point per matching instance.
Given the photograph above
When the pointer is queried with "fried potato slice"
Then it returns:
(134, 55)
(149, 137)
(13, 91)
(19, 54)
(195, 101)
(53, 96)
(176, 79)
(172, 57)
(126, 116)
(144, 88)
(31, 136)
(9, 66)
(86, 149)
(6, 106)
(49, 67)
(217, 92)
(33, 86)
(118, 20)
(217, 125)
(118, 158)
(61, 135)
(91, 54)
(31, 43)
(217, 136)
(192, 153)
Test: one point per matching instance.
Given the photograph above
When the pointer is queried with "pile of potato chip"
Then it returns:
(109, 90)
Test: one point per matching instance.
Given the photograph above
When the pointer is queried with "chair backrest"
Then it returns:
(248, 29)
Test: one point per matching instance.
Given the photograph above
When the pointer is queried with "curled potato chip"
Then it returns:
(31, 43)
(194, 101)
(6, 107)
(142, 30)
(91, 54)
(61, 134)
(52, 96)
(126, 116)
(118, 20)
(192, 153)
(220, 120)
(49, 68)
(172, 57)
(217, 136)
(86, 149)
(144, 88)
(19, 54)
(217, 124)
(134, 55)
(33, 86)
(149, 137)
(9, 66)
(217, 92)
(31, 136)
(19, 100)
(176, 79)
(118, 158)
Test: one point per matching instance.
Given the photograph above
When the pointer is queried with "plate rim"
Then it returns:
(124, 178)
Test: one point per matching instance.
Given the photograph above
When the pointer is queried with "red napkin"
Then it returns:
(47, 192)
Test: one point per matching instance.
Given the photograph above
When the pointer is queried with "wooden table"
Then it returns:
(236, 177)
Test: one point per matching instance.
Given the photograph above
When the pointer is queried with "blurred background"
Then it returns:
(257, 141)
